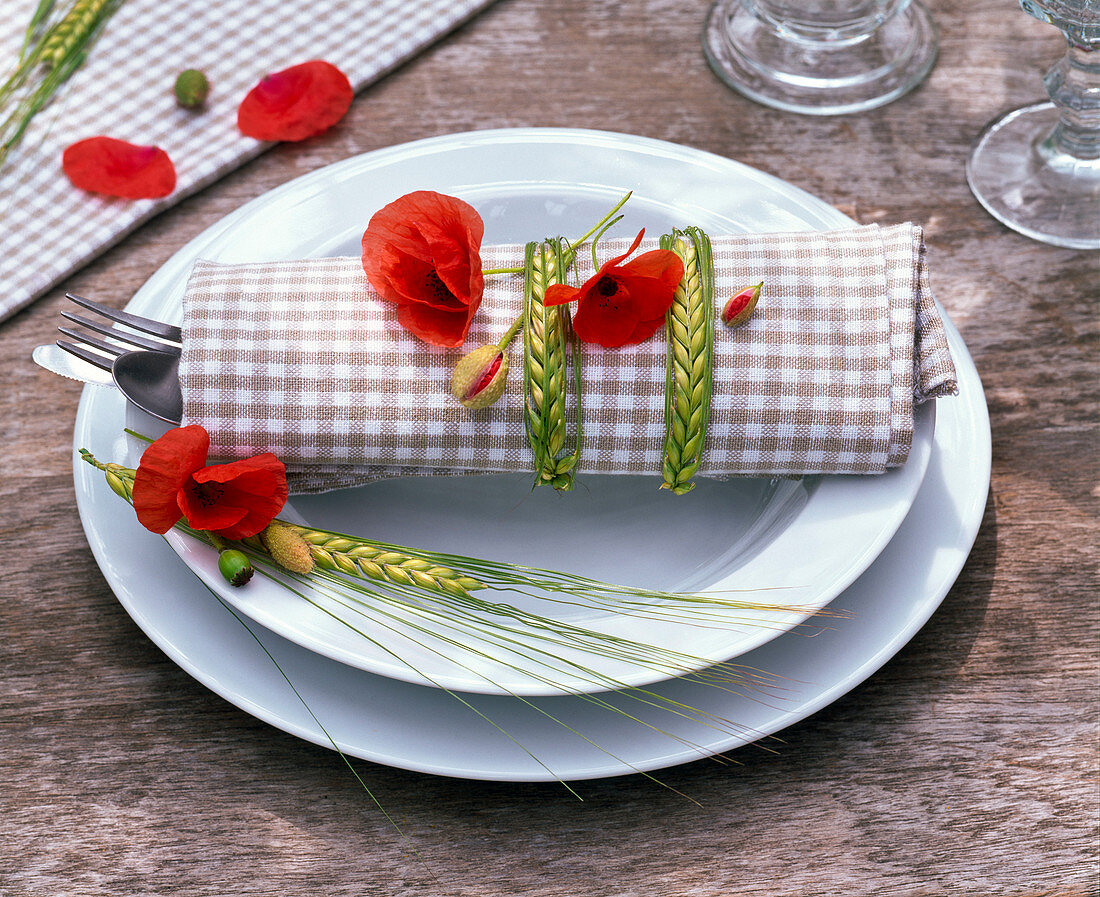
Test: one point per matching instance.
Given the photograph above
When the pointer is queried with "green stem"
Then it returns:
(604, 223)
(512, 331)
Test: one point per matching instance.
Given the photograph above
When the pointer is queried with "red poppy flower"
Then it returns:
(423, 253)
(299, 102)
(234, 500)
(623, 304)
(117, 168)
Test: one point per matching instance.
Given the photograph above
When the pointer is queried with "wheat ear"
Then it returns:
(343, 554)
(689, 376)
(547, 341)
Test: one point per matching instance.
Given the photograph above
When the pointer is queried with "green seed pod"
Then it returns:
(479, 377)
(191, 89)
(235, 566)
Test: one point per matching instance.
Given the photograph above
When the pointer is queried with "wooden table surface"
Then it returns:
(967, 765)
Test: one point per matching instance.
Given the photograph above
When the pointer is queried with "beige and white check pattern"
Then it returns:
(301, 358)
(124, 90)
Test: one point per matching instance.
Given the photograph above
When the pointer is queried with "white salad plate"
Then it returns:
(796, 544)
(559, 737)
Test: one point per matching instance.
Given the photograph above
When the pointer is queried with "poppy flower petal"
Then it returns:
(165, 467)
(423, 252)
(643, 330)
(296, 103)
(649, 297)
(660, 264)
(605, 325)
(435, 326)
(117, 168)
(256, 487)
(611, 263)
(205, 507)
(560, 294)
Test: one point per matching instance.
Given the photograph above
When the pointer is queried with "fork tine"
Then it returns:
(138, 342)
(145, 325)
(103, 346)
(92, 357)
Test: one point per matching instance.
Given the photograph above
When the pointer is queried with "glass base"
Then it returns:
(818, 76)
(1022, 180)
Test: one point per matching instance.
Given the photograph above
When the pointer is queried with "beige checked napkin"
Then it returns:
(124, 90)
(301, 358)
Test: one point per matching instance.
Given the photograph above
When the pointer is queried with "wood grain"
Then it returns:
(967, 766)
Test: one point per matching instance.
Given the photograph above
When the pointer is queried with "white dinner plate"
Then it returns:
(413, 727)
(793, 543)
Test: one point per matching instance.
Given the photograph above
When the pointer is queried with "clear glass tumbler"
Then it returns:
(820, 57)
(1037, 169)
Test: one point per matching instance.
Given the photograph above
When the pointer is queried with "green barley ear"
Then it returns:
(688, 376)
(547, 343)
(74, 30)
(345, 554)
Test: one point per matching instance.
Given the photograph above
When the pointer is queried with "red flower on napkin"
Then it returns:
(299, 102)
(117, 168)
(423, 253)
(623, 304)
(234, 500)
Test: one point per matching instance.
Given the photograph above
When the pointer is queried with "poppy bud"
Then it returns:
(479, 378)
(740, 308)
(191, 89)
(235, 566)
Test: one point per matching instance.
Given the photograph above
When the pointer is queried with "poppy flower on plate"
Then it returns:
(234, 500)
(117, 168)
(621, 304)
(299, 102)
(422, 252)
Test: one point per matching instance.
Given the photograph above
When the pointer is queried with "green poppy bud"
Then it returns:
(235, 566)
(191, 89)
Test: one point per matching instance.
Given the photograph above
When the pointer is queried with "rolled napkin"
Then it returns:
(303, 359)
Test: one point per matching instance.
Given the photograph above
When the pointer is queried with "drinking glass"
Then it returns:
(1038, 168)
(820, 57)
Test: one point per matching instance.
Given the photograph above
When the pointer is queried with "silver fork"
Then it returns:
(145, 370)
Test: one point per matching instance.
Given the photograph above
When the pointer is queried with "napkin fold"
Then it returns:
(301, 358)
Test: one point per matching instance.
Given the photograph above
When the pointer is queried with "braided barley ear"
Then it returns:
(689, 377)
(547, 343)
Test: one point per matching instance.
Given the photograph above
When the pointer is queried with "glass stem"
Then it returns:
(1074, 86)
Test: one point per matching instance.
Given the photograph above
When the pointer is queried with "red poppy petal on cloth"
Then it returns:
(165, 467)
(560, 294)
(440, 328)
(299, 102)
(117, 168)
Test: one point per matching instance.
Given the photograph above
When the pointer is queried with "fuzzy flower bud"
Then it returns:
(740, 308)
(479, 378)
(191, 89)
(287, 548)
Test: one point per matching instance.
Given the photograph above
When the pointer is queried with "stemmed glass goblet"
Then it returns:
(1037, 169)
(820, 57)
